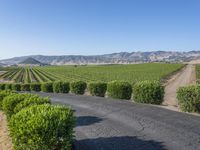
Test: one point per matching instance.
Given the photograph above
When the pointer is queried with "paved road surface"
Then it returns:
(106, 124)
(182, 78)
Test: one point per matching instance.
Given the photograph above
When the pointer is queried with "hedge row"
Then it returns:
(144, 92)
(3, 94)
(189, 98)
(119, 89)
(35, 124)
(77, 87)
(151, 92)
(97, 88)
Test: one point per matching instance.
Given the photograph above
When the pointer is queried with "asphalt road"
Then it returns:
(107, 124)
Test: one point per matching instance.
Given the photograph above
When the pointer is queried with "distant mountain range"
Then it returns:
(114, 58)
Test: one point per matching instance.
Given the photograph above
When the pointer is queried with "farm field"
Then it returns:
(105, 73)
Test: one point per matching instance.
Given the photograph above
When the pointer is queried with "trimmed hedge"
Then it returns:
(189, 98)
(119, 90)
(25, 87)
(151, 92)
(35, 87)
(8, 86)
(31, 101)
(46, 127)
(2, 86)
(16, 87)
(97, 88)
(78, 87)
(10, 102)
(47, 87)
(3, 94)
(61, 87)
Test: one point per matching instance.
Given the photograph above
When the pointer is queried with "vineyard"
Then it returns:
(130, 73)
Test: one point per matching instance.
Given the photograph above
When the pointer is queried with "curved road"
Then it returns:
(107, 124)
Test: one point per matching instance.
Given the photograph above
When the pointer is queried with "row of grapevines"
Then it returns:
(130, 73)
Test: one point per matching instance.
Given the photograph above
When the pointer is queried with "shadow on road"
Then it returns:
(118, 143)
(87, 120)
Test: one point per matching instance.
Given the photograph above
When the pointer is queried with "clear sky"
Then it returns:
(88, 27)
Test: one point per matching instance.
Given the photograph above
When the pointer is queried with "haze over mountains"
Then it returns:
(114, 58)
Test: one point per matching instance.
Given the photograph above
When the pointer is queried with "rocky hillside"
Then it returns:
(123, 57)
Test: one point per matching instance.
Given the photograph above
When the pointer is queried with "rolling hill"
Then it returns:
(114, 58)
(31, 61)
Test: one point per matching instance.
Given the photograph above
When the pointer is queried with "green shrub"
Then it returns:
(3, 94)
(16, 87)
(47, 87)
(151, 92)
(97, 88)
(31, 101)
(189, 98)
(66, 87)
(10, 102)
(35, 87)
(78, 87)
(2, 86)
(61, 87)
(25, 87)
(8, 86)
(119, 89)
(45, 127)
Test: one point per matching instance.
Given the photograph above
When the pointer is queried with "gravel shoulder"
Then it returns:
(107, 124)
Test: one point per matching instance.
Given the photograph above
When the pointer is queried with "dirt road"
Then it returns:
(185, 77)
(5, 140)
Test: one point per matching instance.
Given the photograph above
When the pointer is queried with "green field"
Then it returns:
(130, 73)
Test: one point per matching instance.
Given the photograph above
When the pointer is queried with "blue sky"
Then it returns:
(89, 27)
